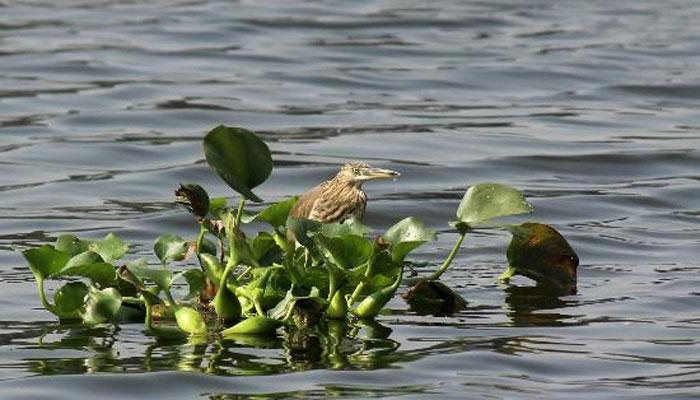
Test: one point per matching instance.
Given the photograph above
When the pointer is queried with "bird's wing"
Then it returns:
(305, 204)
(329, 209)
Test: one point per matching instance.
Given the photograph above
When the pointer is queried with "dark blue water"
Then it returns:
(590, 107)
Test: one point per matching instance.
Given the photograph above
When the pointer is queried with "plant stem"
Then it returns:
(169, 298)
(356, 293)
(244, 273)
(131, 300)
(42, 295)
(149, 316)
(200, 238)
(331, 283)
(239, 213)
(450, 257)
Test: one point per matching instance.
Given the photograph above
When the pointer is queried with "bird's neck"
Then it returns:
(356, 184)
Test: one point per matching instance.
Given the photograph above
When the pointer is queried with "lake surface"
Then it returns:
(589, 107)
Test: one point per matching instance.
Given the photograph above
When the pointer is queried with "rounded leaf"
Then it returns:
(485, 201)
(406, 235)
(346, 251)
(101, 306)
(275, 215)
(170, 248)
(45, 261)
(102, 273)
(69, 299)
(239, 157)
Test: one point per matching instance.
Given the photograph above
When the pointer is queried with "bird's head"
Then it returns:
(359, 172)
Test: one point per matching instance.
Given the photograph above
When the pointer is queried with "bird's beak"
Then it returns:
(380, 173)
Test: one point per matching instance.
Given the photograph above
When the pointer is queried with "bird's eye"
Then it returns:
(356, 171)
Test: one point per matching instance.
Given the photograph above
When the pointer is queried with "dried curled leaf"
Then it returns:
(539, 252)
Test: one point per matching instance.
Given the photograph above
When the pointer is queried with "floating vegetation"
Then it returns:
(299, 272)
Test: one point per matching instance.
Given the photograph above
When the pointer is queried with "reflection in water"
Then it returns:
(525, 304)
(70, 349)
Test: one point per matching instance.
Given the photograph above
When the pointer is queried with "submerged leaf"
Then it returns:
(406, 235)
(485, 201)
(170, 248)
(239, 157)
(539, 252)
(431, 297)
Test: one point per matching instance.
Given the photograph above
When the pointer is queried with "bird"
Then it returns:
(340, 197)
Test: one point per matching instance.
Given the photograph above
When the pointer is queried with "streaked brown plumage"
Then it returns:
(341, 197)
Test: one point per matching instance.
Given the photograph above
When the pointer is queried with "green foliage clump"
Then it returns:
(251, 284)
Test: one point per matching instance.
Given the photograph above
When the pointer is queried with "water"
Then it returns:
(589, 107)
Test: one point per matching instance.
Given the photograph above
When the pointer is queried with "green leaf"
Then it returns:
(351, 226)
(110, 248)
(264, 248)
(239, 157)
(195, 282)
(485, 201)
(283, 306)
(161, 277)
(211, 266)
(71, 244)
(45, 261)
(69, 299)
(275, 215)
(170, 248)
(102, 273)
(101, 306)
(539, 252)
(406, 235)
(217, 206)
(84, 258)
(302, 228)
(346, 251)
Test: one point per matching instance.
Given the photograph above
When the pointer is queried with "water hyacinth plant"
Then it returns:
(298, 273)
